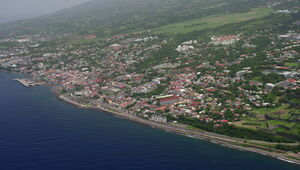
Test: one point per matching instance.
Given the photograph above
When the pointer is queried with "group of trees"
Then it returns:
(233, 131)
(294, 149)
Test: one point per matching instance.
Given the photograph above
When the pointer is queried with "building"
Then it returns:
(224, 40)
(184, 48)
(116, 47)
(269, 87)
(169, 100)
(158, 118)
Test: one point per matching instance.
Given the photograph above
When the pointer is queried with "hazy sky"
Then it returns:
(11, 10)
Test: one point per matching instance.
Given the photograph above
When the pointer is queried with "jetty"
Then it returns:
(28, 83)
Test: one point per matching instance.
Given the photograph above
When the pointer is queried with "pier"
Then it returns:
(28, 83)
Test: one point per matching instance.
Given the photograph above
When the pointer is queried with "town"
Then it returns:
(244, 78)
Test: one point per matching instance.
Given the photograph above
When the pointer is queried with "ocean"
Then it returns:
(38, 131)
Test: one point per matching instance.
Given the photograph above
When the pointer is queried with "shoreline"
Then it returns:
(202, 135)
(226, 141)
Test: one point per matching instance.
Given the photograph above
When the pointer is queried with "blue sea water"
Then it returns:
(38, 131)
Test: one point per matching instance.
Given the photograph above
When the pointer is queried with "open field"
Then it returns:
(213, 21)
(289, 64)
(2, 47)
(245, 125)
(279, 109)
(282, 120)
(281, 112)
(268, 124)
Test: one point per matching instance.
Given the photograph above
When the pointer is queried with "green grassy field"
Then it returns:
(216, 5)
(247, 124)
(257, 79)
(213, 21)
(283, 123)
(283, 115)
(292, 64)
(270, 110)
(2, 47)
(269, 124)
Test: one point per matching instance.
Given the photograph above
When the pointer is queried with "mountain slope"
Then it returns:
(108, 17)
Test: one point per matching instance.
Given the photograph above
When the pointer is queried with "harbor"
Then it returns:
(29, 83)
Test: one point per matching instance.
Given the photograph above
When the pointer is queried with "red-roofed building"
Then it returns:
(211, 90)
(291, 80)
(169, 100)
(98, 80)
(90, 37)
(224, 121)
(283, 68)
(162, 108)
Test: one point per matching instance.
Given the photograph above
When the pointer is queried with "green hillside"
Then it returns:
(110, 17)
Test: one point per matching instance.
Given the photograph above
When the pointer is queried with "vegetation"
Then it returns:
(213, 21)
(294, 149)
(234, 131)
(131, 16)
(292, 64)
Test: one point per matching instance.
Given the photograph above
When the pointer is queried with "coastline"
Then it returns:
(229, 142)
